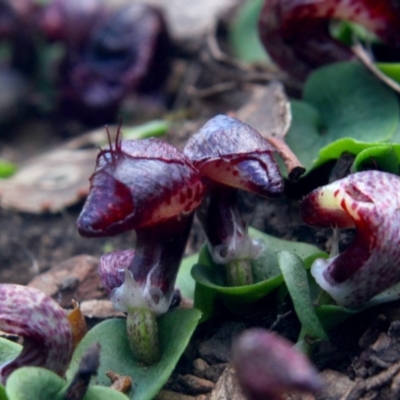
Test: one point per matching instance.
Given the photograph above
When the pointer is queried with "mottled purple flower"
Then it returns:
(153, 188)
(296, 32)
(267, 366)
(368, 201)
(231, 155)
(44, 326)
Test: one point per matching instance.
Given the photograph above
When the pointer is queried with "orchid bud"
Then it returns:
(231, 155)
(153, 188)
(369, 202)
(296, 32)
(267, 366)
(44, 326)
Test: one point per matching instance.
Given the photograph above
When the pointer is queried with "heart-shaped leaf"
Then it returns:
(175, 331)
(29, 383)
(341, 101)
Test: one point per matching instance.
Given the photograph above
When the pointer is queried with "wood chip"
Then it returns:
(120, 383)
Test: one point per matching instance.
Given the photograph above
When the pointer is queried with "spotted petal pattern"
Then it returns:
(370, 202)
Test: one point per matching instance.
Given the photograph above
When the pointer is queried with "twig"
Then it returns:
(212, 90)
(365, 58)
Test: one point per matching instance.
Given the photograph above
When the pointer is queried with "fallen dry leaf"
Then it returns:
(76, 278)
(268, 111)
(50, 182)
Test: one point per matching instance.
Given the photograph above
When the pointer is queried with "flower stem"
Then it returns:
(238, 273)
(142, 329)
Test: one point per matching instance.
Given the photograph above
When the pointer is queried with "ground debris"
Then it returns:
(227, 387)
(75, 278)
(196, 385)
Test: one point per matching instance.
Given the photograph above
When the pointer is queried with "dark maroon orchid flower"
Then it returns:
(369, 202)
(267, 366)
(44, 326)
(296, 32)
(231, 155)
(153, 188)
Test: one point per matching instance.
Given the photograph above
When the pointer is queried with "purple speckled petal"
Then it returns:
(112, 268)
(267, 365)
(370, 202)
(42, 323)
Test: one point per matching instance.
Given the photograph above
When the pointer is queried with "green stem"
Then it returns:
(238, 273)
(303, 344)
(142, 329)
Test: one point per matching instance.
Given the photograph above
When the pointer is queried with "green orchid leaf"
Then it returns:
(204, 299)
(3, 394)
(175, 331)
(367, 154)
(343, 105)
(332, 315)
(352, 103)
(392, 70)
(351, 33)
(210, 277)
(29, 383)
(243, 34)
(8, 350)
(103, 393)
(296, 280)
(384, 158)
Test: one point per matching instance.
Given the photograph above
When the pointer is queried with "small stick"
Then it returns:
(365, 58)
